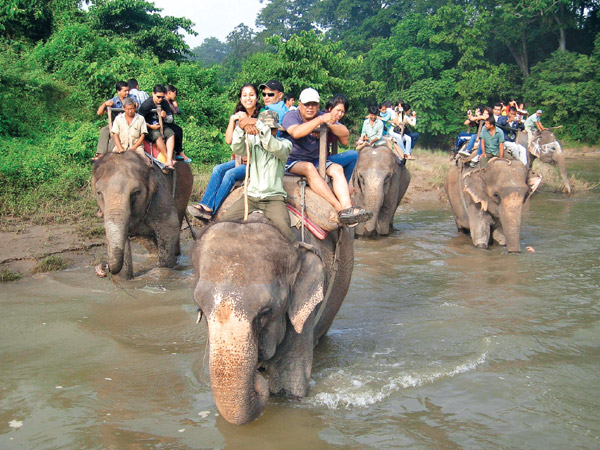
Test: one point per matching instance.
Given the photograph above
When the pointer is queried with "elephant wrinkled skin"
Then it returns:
(379, 185)
(137, 200)
(261, 296)
(488, 202)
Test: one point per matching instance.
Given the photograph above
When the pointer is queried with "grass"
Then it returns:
(51, 263)
(8, 275)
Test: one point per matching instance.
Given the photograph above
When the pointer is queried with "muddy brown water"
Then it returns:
(438, 345)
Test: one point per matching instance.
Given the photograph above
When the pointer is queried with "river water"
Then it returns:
(438, 345)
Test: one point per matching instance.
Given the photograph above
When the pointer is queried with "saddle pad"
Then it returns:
(317, 231)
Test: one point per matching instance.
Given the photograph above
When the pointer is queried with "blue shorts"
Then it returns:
(315, 162)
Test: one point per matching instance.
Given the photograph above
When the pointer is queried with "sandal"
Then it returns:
(354, 215)
(196, 212)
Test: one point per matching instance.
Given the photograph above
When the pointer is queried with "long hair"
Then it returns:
(239, 107)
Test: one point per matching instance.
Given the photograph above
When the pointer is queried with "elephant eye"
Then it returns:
(135, 193)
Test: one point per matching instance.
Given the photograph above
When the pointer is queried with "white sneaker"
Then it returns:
(464, 152)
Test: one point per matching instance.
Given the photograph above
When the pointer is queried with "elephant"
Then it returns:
(488, 201)
(267, 302)
(546, 147)
(380, 180)
(138, 200)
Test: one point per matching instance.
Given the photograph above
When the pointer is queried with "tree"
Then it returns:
(286, 17)
(211, 52)
(140, 22)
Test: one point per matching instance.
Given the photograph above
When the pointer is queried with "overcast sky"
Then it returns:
(212, 17)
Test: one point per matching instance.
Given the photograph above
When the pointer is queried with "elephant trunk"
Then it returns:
(510, 211)
(240, 392)
(116, 224)
(373, 200)
(559, 158)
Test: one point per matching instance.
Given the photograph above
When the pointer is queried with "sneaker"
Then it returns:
(464, 152)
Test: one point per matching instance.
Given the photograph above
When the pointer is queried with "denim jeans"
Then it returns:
(414, 137)
(462, 137)
(398, 138)
(221, 182)
(347, 160)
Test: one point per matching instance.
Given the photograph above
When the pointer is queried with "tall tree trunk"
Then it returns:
(520, 58)
(562, 35)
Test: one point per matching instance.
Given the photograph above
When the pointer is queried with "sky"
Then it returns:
(212, 17)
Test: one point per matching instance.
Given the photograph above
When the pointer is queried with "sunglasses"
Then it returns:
(268, 94)
(160, 96)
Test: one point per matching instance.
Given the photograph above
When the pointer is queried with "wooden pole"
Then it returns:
(109, 112)
(160, 121)
(322, 150)
(246, 205)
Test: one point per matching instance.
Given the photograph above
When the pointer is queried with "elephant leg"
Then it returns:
(498, 235)
(289, 371)
(167, 240)
(479, 225)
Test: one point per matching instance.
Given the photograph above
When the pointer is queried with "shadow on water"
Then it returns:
(438, 345)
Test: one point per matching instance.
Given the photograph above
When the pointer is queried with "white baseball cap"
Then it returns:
(309, 95)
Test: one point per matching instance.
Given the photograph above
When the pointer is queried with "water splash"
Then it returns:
(353, 390)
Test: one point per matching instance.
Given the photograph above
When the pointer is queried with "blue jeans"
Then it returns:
(399, 140)
(221, 182)
(414, 137)
(462, 137)
(347, 160)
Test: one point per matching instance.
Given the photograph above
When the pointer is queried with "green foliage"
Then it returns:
(51, 263)
(140, 23)
(307, 60)
(566, 87)
(8, 275)
(211, 52)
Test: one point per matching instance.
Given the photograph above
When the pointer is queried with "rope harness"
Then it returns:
(302, 184)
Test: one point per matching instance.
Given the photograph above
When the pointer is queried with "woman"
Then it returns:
(406, 119)
(224, 176)
(338, 106)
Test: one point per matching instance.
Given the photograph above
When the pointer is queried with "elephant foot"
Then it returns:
(482, 246)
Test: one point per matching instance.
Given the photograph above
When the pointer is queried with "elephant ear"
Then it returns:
(475, 187)
(307, 290)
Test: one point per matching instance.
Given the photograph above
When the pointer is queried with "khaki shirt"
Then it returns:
(129, 134)
(267, 162)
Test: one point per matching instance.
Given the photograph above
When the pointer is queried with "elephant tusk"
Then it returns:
(199, 319)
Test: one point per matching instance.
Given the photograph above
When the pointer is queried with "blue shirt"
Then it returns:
(279, 108)
(386, 117)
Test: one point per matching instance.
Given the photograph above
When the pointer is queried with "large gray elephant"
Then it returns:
(267, 302)
(138, 200)
(379, 183)
(488, 202)
(546, 147)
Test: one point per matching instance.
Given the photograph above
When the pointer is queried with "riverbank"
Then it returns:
(28, 246)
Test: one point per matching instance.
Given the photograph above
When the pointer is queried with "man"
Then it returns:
(302, 130)
(268, 155)
(272, 92)
(171, 98)
(289, 101)
(533, 123)
(497, 111)
(510, 125)
(139, 96)
(165, 143)
(492, 139)
(115, 102)
(129, 129)
(372, 130)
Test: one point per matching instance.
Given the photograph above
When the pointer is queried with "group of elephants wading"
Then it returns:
(268, 301)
